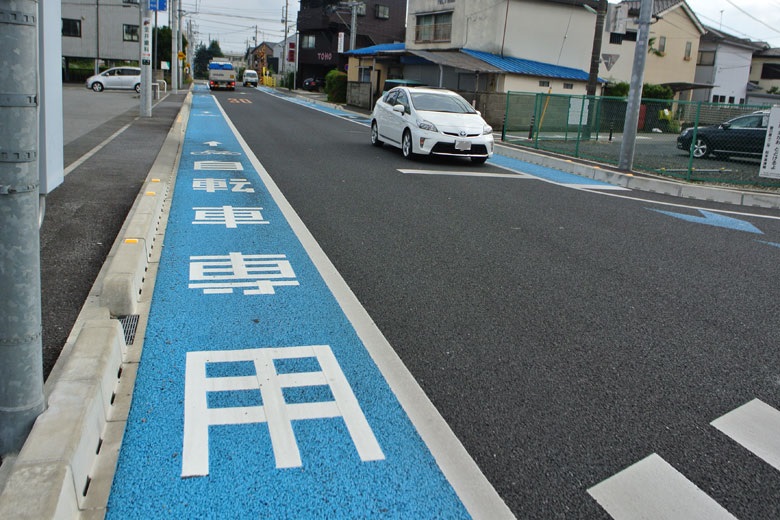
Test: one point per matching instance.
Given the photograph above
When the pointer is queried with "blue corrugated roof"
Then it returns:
(529, 67)
(376, 49)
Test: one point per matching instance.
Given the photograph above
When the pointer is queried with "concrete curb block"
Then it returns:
(50, 478)
(684, 190)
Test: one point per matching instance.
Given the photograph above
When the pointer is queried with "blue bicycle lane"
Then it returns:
(255, 397)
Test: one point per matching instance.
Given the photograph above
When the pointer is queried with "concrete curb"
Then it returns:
(51, 476)
(649, 184)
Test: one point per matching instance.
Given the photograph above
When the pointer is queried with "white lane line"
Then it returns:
(756, 426)
(84, 158)
(583, 186)
(652, 489)
(470, 484)
(467, 174)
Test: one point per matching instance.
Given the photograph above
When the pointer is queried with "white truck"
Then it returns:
(221, 74)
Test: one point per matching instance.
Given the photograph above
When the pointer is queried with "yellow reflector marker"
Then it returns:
(155, 180)
(151, 193)
(131, 241)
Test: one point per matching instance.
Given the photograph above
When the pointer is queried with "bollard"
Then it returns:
(531, 130)
(611, 129)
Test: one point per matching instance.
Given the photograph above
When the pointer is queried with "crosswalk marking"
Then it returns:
(652, 489)
(756, 426)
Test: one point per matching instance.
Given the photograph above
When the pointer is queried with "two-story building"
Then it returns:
(483, 45)
(106, 31)
(724, 62)
(325, 28)
(674, 36)
(765, 70)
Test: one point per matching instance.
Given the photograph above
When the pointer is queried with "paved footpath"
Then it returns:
(259, 393)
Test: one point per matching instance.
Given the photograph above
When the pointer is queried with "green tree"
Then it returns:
(203, 55)
(336, 86)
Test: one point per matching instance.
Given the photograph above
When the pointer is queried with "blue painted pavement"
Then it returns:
(254, 396)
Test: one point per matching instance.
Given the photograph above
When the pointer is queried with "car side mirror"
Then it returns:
(725, 126)
(399, 109)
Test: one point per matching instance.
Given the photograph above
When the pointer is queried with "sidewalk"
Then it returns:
(84, 216)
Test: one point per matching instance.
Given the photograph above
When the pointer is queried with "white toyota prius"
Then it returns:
(431, 121)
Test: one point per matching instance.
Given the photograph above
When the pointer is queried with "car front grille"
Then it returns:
(455, 134)
(449, 149)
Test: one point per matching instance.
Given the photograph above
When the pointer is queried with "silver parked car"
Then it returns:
(126, 78)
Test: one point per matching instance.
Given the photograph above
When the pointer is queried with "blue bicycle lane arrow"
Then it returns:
(255, 396)
(710, 218)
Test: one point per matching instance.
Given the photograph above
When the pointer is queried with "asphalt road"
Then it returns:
(563, 334)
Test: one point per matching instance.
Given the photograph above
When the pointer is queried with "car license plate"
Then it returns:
(462, 145)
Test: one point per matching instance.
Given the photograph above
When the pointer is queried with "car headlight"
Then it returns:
(685, 132)
(427, 125)
(487, 129)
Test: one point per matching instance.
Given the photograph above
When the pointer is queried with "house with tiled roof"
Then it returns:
(765, 70)
(674, 36)
(488, 46)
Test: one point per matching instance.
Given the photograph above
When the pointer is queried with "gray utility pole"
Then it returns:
(172, 20)
(353, 29)
(21, 361)
(626, 161)
(284, 52)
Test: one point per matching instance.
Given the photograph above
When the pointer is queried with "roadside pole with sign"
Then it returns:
(146, 62)
(770, 160)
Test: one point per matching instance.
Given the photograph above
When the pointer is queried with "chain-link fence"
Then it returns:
(695, 141)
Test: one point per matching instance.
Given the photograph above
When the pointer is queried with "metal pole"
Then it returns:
(21, 362)
(180, 44)
(626, 161)
(145, 60)
(97, 36)
(353, 29)
(174, 47)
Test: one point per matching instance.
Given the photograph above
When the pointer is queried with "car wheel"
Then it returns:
(97, 86)
(137, 88)
(701, 148)
(479, 160)
(375, 135)
(406, 145)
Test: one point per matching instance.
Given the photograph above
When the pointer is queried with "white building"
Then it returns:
(724, 62)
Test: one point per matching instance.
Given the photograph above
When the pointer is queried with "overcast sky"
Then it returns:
(234, 22)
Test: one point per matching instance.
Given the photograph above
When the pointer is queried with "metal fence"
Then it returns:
(680, 139)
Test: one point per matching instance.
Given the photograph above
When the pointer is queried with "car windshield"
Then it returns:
(434, 102)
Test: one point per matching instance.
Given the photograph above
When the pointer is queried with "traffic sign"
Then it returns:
(158, 5)
(181, 55)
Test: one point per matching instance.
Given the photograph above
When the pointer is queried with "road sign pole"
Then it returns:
(146, 60)
(21, 346)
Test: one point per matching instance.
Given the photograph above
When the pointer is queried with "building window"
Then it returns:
(307, 41)
(129, 33)
(630, 36)
(731, 99)
(361, 9)
(770, 71)
(568, 86)
(662, 44)
(688, 50)
(706, 58)
(544, 83)
(382, 12)
(435, 27)
(71, 28)
(616, 38)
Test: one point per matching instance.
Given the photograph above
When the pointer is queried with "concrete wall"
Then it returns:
(111, 16)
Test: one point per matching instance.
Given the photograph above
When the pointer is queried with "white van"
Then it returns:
(250, 78)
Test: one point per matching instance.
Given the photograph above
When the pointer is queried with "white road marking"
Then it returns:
(652, 489)
(468, 174)
(756, 426)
